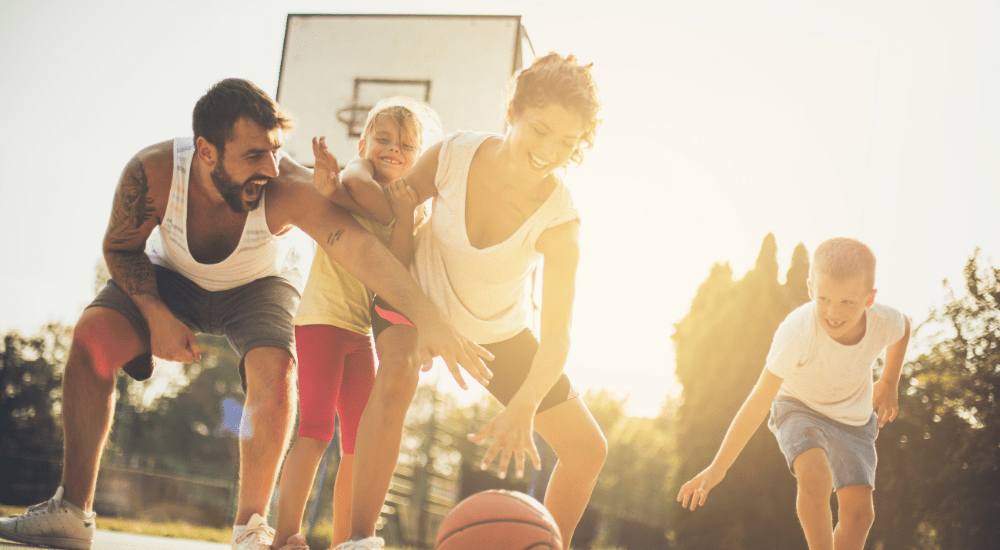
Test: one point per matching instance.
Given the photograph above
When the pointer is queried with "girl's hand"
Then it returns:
(513, 433)
(326, 172)
(404, 200)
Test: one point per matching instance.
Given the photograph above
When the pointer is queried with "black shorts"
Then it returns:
(257, 314)
(510, 366)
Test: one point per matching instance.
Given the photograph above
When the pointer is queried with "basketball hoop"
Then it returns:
(353, 116)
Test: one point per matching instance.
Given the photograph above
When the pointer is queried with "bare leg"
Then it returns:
(380, 432)
(103, 341)
(573, 434)
(296, 483)
(342, 500)
(266, 427)
(815, 484)
(854, 518)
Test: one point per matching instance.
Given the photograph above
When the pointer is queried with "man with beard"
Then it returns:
(199, 241)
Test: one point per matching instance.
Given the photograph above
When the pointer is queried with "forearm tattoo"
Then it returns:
(132, 205)
(133, 272)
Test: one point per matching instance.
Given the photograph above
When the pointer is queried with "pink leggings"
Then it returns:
(336, 374)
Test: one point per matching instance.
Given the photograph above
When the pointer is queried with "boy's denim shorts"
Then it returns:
(850, 449)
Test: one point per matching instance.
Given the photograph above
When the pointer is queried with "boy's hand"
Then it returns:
(885, 399)
(326, 172)
(696, 490)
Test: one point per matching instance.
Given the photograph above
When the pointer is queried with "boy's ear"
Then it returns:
(361, 147)
(871, 298)
(207, 153)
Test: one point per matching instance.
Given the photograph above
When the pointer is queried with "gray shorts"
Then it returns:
(850, 449)
(257, 314)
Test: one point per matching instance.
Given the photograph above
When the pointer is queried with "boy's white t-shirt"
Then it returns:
(828, 377)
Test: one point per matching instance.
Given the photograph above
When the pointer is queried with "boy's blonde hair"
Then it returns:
(843, 258)
(415, 118)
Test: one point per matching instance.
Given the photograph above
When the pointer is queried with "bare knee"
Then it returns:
(270, 375)
(397, 379)
(813, 474)
(855, 508)
(103, 342)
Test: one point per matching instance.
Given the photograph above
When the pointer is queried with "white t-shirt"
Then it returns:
(481, 291)
(829, 377)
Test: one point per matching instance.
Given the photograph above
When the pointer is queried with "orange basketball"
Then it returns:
(498, 520)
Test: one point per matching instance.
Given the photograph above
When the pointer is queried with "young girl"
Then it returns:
(336, 366)
(499, 207)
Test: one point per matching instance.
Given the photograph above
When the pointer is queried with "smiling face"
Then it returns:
(248, 163)
(392, 150)
(542, 139)
(840, 305)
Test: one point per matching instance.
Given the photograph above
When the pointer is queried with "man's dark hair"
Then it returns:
(229, 100)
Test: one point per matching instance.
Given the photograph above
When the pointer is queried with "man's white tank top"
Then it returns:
(259, 254)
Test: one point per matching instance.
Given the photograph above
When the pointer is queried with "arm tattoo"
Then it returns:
(333, 237)
(132, 206)
(133, 272)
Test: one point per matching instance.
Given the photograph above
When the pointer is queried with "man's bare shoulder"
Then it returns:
(156, 164)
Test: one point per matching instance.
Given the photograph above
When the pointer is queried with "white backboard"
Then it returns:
(459, 64)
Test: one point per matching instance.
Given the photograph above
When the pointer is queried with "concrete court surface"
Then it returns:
(111, 540)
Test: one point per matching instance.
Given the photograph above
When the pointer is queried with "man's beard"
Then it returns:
(233, 192)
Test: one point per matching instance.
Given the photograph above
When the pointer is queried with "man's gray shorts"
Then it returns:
(850, 449)
(257, 314)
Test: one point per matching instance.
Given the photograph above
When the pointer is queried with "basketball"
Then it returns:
(498, 520)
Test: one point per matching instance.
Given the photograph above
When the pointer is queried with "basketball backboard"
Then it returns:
(336, 67)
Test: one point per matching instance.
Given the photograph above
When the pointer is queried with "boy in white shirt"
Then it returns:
(824, 409)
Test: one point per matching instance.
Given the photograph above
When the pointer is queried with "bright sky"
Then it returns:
(723, 121)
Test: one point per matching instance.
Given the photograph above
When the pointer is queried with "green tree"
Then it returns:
(939, 479)
(30, 407)
(721, 346)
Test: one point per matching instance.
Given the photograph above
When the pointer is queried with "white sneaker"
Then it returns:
(255, 535)
(296, 542)
(53, 523)
(370, 543)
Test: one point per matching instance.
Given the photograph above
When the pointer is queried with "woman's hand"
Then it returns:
(513, 433)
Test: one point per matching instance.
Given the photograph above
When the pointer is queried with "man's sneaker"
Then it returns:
(55, 523)
(255, 535)
(370, 543)
(296, 542)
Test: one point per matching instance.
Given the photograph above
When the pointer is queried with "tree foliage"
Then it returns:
(30, 413)
(938, 479)
(721, 347)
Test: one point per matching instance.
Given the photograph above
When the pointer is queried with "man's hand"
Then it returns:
(885, 399)
(326, 172)
(513, 433)
(438, 339)
(696, 490)
(172, 340)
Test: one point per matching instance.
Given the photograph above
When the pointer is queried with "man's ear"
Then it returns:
(207, 153)
(871, 298)
(809, 286)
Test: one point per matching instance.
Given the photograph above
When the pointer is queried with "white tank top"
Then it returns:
(259, 254)
(481, 291)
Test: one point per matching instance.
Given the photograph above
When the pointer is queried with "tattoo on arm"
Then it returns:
(333, 237)
(132, 205)
(133, 272)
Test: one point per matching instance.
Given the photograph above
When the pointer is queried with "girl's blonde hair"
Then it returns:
(414, 118)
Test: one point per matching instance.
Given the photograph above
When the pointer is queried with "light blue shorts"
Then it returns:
(850, 449)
